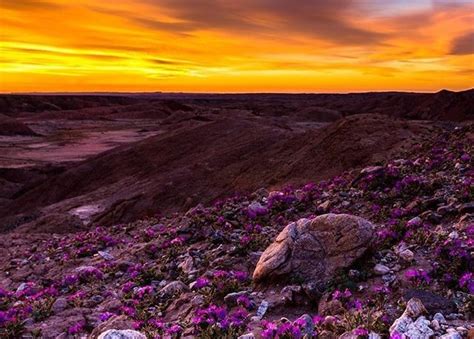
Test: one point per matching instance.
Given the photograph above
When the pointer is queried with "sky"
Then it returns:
(236, 45)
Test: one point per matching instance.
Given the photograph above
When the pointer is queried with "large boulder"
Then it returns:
(312, 250)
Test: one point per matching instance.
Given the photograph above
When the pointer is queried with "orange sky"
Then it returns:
(236, 45)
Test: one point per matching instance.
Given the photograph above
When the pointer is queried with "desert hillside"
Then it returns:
(237, 216)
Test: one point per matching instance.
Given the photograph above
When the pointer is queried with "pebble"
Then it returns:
(97, 298)
(262, 309)
(28, 322)
(106, 255)
(435, 325)
(59, 305)
(440, 318)
(247, 336)
(416, 221)
(407, 255)
(380, 269)
(453, 235)
(451, 335)
(389, 278)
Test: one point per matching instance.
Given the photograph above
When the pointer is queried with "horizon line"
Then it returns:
(221, 93)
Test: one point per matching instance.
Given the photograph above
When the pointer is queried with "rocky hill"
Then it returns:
(379, 251)
(200, 163)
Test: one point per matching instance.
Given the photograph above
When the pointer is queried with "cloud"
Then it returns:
(326, 20)
(320, 19)
(29, 4)
(463, 44)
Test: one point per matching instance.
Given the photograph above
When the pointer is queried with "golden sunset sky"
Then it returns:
(236, 45)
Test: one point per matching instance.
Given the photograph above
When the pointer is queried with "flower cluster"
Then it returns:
(215, 321)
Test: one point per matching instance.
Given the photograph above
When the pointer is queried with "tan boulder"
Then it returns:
(314, 249)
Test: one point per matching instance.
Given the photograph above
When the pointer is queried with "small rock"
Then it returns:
(416, 221)
(308, 328)
(419, 329)
(28, 322)
(187, 265)
(401, 324)
(247, 336)
(453, 235)
(415, 308)
(324, 207)
(106, 255)
(262, 309)
(407, 255)
(97, 298)
(434, 303)
(451, 335)
(255, 209)
(174, 287)
(440, 318)
(405, 323)
(59, 305)
(121, 334)
(231, 298)
(371, 170)
(23, 286)
(435, 325)
(380, 269)
(389, 278)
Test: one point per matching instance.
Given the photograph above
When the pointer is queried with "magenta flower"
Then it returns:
(360, 331)
(318, 320)
(175, 329)
(76, 328)
(105, 316)
(202, 282)
(244, 301)
(341, 295)
(467, 281)
(417, 275)
(142, 291)
(219, 274)
(128, 286)
(396, 335)
(127, 310)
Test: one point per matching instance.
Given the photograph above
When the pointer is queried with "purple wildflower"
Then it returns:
(76, 328)
(202, 282)
(467, 281)
(105, 316)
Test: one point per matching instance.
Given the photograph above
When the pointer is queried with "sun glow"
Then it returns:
(224, 46)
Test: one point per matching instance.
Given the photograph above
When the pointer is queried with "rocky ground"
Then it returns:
(385, 251)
